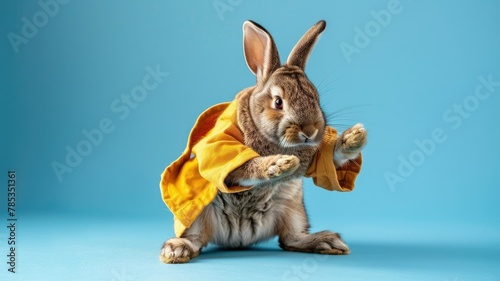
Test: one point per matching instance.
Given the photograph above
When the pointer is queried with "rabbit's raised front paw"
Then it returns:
(282, 165)
(353, 139)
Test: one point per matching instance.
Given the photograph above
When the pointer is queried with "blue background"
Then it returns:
(105, 220)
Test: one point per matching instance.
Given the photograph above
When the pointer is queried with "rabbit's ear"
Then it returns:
(261, 54)
(300, 53)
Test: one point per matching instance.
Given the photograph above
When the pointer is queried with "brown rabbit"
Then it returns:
(281, 122)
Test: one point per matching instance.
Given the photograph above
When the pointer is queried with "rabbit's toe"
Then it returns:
(177, 250)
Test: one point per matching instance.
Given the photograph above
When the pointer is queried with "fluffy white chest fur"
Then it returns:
(242, 219)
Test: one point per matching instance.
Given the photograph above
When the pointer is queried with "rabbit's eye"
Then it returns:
(278, 103)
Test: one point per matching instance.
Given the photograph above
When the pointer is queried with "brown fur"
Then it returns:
(287, 140)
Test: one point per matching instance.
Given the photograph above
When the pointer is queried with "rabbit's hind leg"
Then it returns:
(179, 250)
(294, 234)
(189, 245)
(323, 242)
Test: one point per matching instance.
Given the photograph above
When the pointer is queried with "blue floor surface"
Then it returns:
(59, 248)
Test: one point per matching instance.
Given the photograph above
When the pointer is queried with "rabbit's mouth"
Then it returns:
(295, 136)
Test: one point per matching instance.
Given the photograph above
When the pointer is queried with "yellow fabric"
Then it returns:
(214, 149)
(323, 171)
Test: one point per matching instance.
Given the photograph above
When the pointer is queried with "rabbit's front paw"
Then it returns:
(282, 165)
(353, 139)
(177, 250)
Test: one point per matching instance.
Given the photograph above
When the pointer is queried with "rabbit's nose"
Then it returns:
(308, 132)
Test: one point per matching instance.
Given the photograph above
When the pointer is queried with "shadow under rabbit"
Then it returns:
(409, 256)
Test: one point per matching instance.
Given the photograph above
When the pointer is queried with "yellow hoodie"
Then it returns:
(215, 148)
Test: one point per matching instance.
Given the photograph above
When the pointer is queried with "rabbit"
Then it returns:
(281, 119)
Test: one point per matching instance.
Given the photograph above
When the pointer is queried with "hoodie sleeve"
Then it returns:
(222, 150)
(322, 169)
